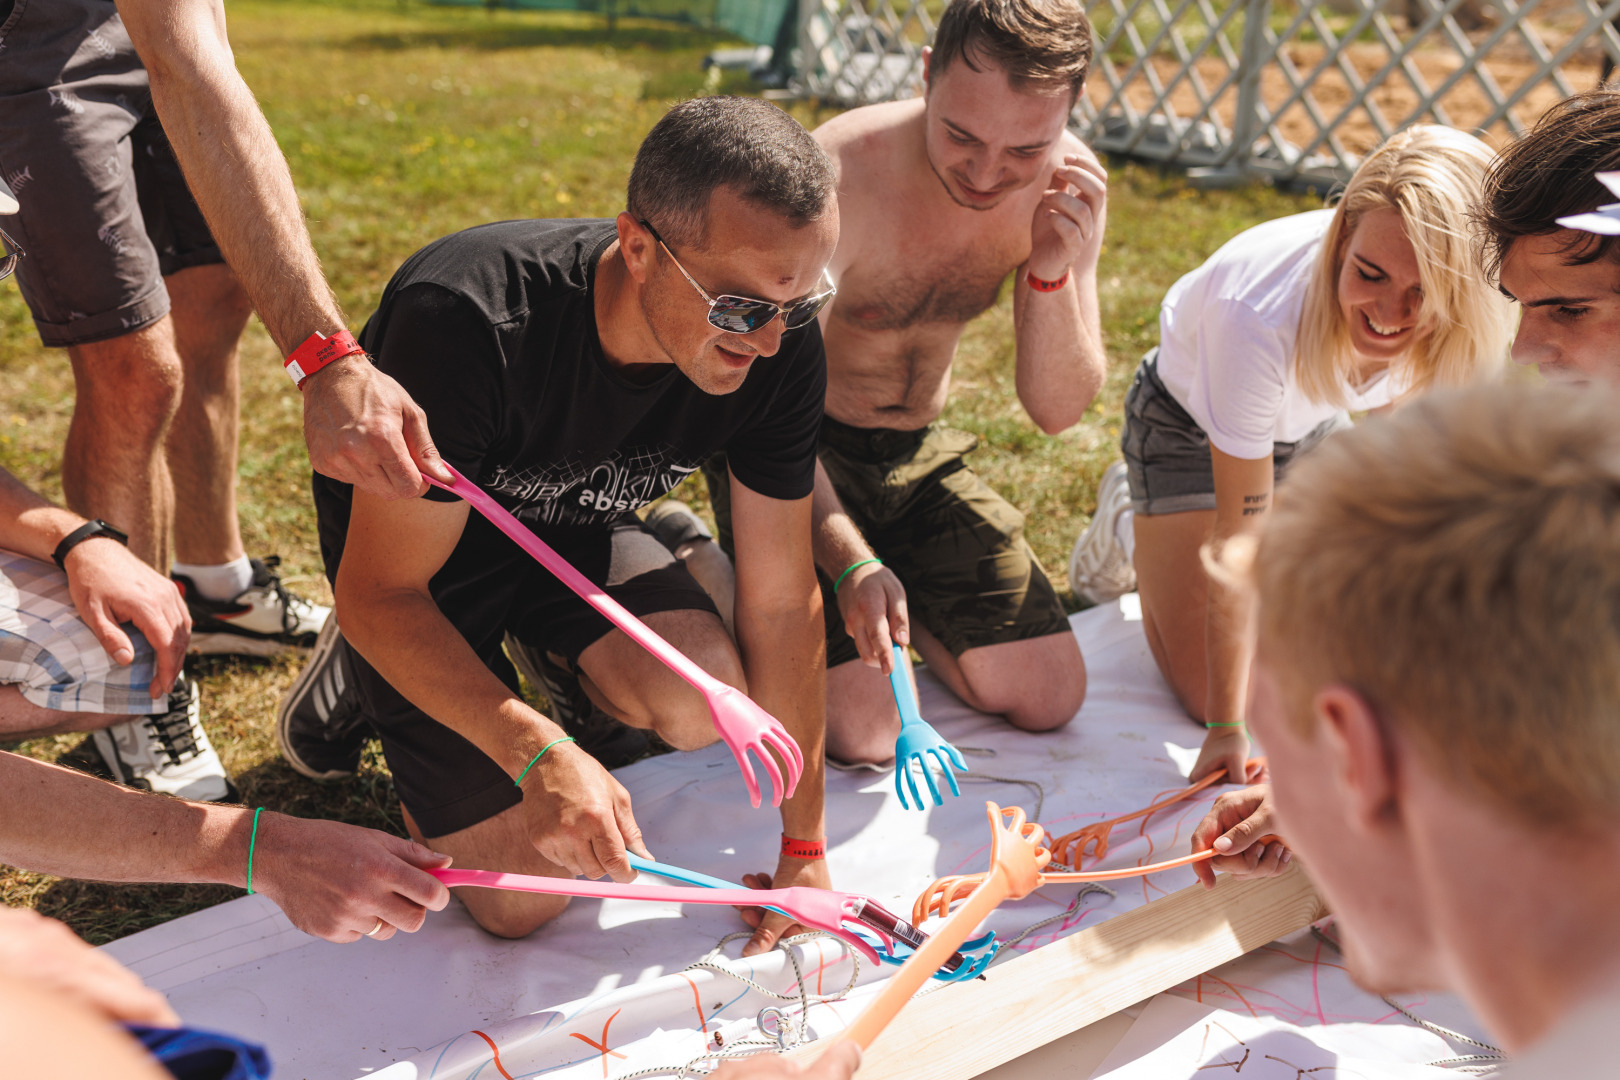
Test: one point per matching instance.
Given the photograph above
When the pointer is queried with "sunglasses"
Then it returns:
(10, 252)
(742, 315)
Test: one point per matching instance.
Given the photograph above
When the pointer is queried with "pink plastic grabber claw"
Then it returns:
(743, 725)
(819, 909)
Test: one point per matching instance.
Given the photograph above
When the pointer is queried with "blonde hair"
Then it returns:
(1458, 564)
(1431, 176)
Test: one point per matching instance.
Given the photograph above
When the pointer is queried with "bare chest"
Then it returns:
(900, 278)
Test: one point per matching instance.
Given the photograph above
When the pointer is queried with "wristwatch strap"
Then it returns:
(87, 531)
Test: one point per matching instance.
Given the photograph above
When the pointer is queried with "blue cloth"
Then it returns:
(189, 1054)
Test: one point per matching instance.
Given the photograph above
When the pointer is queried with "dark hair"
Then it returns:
(1547, 175)
(746, 144)
(1042, 44)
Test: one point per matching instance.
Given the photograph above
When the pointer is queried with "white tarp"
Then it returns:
(602, 992)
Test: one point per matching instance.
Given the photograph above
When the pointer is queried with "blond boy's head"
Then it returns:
(1439, 646)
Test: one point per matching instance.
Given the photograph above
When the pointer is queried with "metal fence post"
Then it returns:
(1248, 120)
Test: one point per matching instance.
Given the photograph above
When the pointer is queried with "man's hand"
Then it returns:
(1067, 229)
(873, 604)
(110, 586)
(580, 818)
(1232, 827)
(363, 429)
(335, 880)
(42, 952)
(1228, 746)
(769, 927)
(838, 1062)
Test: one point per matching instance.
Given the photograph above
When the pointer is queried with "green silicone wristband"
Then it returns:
(851, 569)
(1223, 723)
(252, 841)
(519, 781)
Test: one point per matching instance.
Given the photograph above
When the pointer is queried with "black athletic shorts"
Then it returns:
(445, 781)
(105, 212)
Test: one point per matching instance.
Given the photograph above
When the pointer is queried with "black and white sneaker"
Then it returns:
(321, 725)
(261, 620)
(611, 742)
(169, 752)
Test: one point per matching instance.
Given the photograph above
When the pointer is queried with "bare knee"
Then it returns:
(511, 917)
(136, 378)
(862, 721)
(1038, 685)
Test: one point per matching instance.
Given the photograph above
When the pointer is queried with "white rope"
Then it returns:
(790, 1029)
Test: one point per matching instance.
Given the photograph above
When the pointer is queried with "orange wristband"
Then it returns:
(804, 849)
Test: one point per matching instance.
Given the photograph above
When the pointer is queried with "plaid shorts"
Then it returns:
(50, 654)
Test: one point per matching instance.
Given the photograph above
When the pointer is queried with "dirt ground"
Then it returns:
(1509, 64)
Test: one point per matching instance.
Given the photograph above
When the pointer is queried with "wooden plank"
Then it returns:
(966, 1029)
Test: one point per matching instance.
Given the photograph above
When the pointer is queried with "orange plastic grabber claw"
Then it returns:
(938, 897)
(1070, 848)
(1016, 859)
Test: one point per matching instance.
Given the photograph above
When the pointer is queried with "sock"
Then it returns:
(1125, 532)
(219, 582)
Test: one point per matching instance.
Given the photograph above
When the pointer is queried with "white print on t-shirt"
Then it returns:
(574, 493)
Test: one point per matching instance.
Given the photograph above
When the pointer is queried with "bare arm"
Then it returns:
(577, 815)
(1243, 493)
(333, 880)
(1061, 362)
(109, 585)
(871, 599)
(784, 654)
(362, 428)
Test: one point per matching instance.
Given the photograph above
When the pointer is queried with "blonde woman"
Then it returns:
(1264, 350)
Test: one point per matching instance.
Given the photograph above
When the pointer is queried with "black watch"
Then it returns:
(88, 531)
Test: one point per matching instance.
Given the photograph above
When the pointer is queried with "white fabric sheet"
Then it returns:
(609, 974)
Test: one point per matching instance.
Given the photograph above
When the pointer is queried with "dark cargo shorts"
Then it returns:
(971, 578)
(488, 588)
(1167, 459)
(106, 213)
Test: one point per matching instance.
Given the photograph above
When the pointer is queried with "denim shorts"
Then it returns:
(1167, 459)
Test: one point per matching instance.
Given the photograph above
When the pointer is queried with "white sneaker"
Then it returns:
(1099, 568)
(169, 752)
(261, 620)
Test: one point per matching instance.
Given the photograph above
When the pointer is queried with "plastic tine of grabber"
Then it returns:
(743, 726)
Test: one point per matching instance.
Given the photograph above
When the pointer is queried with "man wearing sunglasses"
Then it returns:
(578, 370)
(941, 198)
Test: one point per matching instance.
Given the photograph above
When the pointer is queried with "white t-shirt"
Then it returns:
(1226, 340)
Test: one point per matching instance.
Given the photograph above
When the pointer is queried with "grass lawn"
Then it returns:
(403, 123)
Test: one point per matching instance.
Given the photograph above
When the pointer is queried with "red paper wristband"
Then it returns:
(1046, 286)
(803, 849)
(317, 351)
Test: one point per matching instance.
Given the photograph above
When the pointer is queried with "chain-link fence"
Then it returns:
(1296, 90)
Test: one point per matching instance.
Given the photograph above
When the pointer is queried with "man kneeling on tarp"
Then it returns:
(576, 371)
(1437, 687)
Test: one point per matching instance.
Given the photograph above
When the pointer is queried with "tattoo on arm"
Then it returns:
(1255, 504)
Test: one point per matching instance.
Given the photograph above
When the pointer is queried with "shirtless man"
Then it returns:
(941, 198)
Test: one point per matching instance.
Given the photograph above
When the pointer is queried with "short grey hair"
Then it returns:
(746, 144)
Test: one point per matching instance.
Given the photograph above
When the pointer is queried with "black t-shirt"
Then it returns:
(493, 332)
